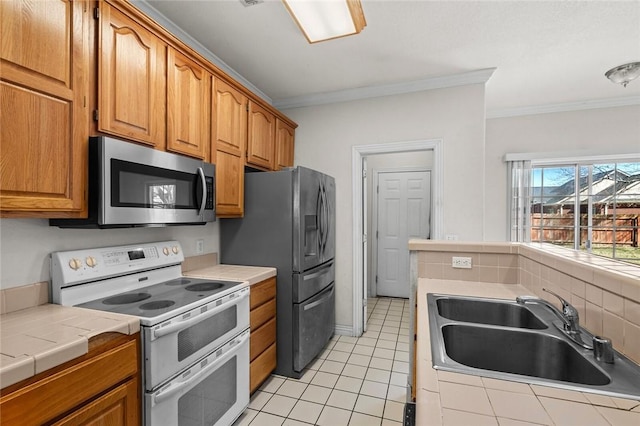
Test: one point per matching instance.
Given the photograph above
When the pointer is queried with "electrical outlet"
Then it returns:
(451, 237)
(199, 246)
(461, 262)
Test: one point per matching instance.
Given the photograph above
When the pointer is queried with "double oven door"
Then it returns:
(214, 391)
(196, 365)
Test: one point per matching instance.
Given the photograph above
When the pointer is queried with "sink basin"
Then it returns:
(504, 340)
(484, 311)
(512, 351)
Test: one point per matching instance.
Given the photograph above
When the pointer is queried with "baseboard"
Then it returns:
(344, 330)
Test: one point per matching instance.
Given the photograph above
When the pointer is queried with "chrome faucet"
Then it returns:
(569, 314)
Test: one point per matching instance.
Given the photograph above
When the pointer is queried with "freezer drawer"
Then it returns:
(313, 326)
(312, 282)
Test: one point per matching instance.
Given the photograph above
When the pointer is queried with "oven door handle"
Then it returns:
(172, 389)
(233, 299)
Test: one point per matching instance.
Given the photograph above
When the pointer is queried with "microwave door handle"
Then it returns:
(197, 378)
(204, 192)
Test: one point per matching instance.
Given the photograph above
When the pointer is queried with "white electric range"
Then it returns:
(194, 332)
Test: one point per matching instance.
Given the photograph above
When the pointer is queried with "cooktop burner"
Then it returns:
(123, 299)
(158, 304)
(179, 281)
(161, 298)
(207, 286)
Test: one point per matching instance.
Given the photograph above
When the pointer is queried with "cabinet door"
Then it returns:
(229, 185)
(188, 103)
(44, 123)
(285, 135)
(131, 79)
(230, 123)
(261, 138)
(119, 407)
(230, 138)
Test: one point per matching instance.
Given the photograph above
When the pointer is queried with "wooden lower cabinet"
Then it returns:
(100, 388)
(113, 408)
(262, 340)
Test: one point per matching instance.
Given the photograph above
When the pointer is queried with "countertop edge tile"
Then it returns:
(252, 274)
(50, 353)
(17, 369)
(60, 354)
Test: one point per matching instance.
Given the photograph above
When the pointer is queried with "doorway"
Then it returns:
(360, 156)
(401, 210)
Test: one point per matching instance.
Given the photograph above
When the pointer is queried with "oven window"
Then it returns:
(139, 185)
(206, 403)
(196, 337)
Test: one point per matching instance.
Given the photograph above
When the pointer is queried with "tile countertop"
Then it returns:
(252, 274)
(452, 399)
(36, 339)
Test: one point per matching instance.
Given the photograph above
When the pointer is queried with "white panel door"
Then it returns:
(404, 206)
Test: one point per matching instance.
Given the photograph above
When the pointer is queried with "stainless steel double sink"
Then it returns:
(502, 339)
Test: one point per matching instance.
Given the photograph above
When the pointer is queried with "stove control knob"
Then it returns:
(91, 261)
(165, 250)
(75, 264)
(175, 249)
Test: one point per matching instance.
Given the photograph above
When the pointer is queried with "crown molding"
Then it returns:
(462, 79)
(564, 107)
(174, 29)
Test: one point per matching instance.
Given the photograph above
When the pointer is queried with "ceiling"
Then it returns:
(545, 53)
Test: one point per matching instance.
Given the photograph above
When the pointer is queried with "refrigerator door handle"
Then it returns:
(319, 211)
(325, 220)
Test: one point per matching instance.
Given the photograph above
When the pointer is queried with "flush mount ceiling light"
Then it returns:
(623, 74)
(322, 20)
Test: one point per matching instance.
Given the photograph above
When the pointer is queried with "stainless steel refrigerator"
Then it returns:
(289, 223)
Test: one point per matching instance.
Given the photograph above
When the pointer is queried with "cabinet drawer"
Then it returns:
(262, 367)
(262, 314)
(261, 338)
(262, 292)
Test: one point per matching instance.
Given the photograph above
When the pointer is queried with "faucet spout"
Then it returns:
(569, 314)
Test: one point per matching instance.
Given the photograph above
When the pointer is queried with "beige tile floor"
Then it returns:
(354, 381)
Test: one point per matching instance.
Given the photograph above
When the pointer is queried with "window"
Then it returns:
(593, 206)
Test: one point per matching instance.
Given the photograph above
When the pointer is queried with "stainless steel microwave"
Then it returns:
(133, 185)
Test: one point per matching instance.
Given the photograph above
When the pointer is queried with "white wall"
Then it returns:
(577, 133)
(25, 244)
(326, 134)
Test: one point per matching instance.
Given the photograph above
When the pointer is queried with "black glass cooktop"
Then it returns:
(161, 298)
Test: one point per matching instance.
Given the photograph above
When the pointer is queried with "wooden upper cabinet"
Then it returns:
(229, 141)
(230, 123)
(285, 136)
(261, 137)
(131, 79)
(188, 103)
(44, 123)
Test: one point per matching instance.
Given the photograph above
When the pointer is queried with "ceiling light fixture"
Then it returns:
(322, 20)
(623, 74)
